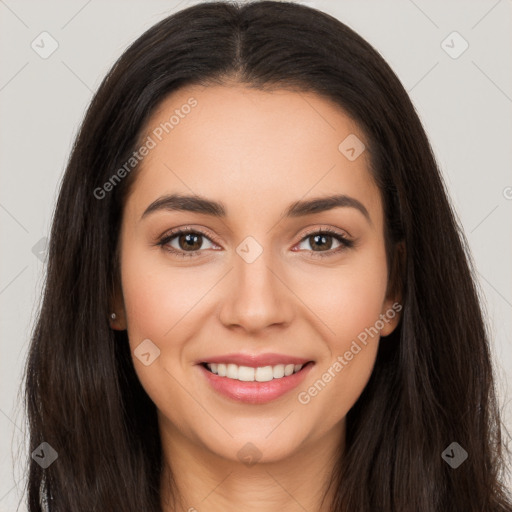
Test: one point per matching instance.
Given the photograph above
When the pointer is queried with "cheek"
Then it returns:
(158, 298)
(346, 298)
(158, 301)
(349, 303)
(161, 304)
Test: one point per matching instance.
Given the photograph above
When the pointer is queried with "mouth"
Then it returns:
(254, 374)
(254, 385)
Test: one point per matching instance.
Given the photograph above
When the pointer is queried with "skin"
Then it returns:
(256, 152)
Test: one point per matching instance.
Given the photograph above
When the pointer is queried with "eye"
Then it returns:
(320, 242)
(187, 242)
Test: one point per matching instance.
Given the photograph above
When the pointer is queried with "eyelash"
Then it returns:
(345, 242)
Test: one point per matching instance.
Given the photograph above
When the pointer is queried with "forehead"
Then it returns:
(251, 148)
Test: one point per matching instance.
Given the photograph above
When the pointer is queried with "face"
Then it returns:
(258, 279)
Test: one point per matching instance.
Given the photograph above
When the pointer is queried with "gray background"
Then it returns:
(465, 104)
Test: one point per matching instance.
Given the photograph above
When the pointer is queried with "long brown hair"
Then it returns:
(433, 380)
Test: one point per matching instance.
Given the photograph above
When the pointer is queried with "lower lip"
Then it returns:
(255, 392)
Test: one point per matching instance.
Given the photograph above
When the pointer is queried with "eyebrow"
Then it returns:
(197, 204)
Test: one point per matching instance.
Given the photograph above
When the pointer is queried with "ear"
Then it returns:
(117, 306)
(392, 306)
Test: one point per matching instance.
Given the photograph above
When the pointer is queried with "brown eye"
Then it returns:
(185, 242)
(190, 241)
(321, 242)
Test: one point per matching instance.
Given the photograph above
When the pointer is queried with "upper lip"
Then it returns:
(256, 360)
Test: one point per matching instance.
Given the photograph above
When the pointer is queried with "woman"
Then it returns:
(202, 344)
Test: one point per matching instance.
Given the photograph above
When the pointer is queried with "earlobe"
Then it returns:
(113, 318)
(117, 315)
(392, 307)
(117, 321)
(390, 317)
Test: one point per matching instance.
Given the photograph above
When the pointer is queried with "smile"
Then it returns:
(254, 385)
(249, 374)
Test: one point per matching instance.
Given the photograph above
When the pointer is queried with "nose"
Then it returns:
(257, 296)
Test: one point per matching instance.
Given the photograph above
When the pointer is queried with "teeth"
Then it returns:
(232, 371)
(249, 374)
(288, 369)
(264, 374)
(278, 371)
(245, 373)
